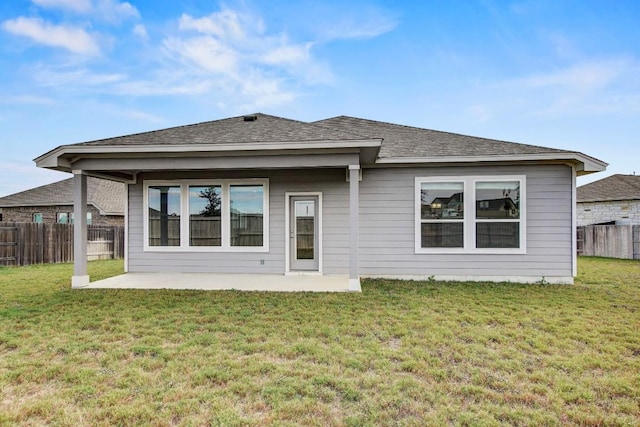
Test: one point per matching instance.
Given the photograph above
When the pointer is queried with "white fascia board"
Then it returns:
(50, 159)
(590, 164)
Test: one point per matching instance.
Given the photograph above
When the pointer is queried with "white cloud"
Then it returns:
(165, 85)
(207, 53)
(27, 100)
(79, 6)
(585, 76)
(590, 88)
(226, 24)
(231, 53)
(141, 31)
(114, 11)
(288, 54)
(363, 23)
(74, 39)
(105, 10)
(46, 76)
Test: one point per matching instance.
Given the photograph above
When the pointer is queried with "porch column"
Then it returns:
(354, 225)
(80, 277)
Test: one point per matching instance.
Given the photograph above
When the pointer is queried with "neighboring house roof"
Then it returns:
(107, 196)
(612, 188)
(260, 134)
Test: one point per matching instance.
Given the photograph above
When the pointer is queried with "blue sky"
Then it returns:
(557, 73)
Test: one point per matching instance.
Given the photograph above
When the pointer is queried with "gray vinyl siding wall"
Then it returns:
(387, 225)
(335, 193)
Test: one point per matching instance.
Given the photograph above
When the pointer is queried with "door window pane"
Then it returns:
(305, 212)
(246, 215)
(205, 215)
(164, 216)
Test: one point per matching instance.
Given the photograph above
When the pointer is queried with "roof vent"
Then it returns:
(251, 118)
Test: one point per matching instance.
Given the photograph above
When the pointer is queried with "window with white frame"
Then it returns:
(470, 214)
(225, 215)
(497, 214)
(442, 214)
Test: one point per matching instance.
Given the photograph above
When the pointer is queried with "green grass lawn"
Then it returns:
(400, 353)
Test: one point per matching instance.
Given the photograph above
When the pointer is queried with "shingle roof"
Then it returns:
(264, 128)
(108, 196)
(407, 141)
(391, 143)
(615, 187)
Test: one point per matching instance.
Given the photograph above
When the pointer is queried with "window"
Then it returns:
(164, 215)
(498, 214)
(247, 219)
(37, 218)
(224, 215)
(205, 215)
(89, 218)
(442, 214)
(63, 218)
(493, 221)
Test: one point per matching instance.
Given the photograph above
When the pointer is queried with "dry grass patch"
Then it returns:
(400, 353)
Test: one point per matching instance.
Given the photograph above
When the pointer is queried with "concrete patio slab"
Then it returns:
(211, 282)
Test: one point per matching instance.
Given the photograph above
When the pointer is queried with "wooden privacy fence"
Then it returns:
(245, 230)
(609, 241)
(30, 243)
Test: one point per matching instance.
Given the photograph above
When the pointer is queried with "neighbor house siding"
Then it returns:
(623, 211)
(387, 226)
(50, 214)
(335, 193)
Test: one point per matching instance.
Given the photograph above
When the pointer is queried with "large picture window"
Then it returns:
(216, 216)
(470, 214)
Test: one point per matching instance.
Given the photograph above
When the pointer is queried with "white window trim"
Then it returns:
(469, 221)
(225, 185)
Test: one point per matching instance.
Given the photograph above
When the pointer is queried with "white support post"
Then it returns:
(80, 277)
(574, 223)
(354, 225)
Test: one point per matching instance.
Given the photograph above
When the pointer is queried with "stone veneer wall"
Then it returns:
(50, 214)
(627, 211)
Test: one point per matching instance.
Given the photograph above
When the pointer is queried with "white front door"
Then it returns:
(304, 225)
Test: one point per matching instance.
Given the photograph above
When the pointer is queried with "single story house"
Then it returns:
(53, 203)
(341, 196)
(611, 200)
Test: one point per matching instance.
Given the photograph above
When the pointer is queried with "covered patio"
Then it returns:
(219, 282)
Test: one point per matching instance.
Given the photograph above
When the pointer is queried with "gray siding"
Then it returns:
(387, 226)
(335, 192)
